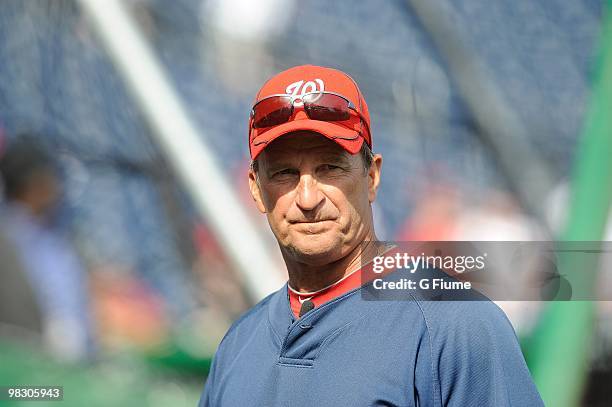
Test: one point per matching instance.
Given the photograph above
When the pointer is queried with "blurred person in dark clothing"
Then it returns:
(41, 257)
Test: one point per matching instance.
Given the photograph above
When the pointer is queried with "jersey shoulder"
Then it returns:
(454, 314)
(249, 320)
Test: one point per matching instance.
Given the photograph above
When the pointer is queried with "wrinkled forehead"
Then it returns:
(301, 144)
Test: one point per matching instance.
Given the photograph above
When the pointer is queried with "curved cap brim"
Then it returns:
(349, 139)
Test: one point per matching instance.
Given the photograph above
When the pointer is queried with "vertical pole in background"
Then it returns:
(194, 164)
(560, 346)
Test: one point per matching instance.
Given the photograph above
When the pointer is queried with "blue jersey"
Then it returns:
(353, 352)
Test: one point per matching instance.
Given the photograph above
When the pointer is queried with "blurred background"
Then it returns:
(129, 242)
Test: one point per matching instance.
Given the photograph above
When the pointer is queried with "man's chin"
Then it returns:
(315, 254)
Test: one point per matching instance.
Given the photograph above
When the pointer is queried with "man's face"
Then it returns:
(316, 196)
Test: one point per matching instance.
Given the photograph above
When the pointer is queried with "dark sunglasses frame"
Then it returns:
(291, 102)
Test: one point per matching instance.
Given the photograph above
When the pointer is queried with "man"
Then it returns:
(316, 342)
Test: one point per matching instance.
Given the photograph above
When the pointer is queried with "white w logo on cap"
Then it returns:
(300, 88)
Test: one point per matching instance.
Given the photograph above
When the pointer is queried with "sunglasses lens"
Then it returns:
(326, 107)
(271, 112)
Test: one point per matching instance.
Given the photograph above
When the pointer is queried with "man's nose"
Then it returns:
(308, 194)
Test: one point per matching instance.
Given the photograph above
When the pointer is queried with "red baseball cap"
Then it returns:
(349, 134)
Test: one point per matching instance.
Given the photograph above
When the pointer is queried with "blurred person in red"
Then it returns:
(56, 280)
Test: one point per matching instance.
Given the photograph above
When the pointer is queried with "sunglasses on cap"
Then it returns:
(324, 106)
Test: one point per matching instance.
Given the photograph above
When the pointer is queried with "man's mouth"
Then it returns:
(313, 227)
(309, 222)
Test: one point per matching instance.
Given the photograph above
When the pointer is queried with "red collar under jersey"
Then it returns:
(351, 282)
(355, 280)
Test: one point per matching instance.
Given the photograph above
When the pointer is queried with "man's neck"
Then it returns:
(308, 278)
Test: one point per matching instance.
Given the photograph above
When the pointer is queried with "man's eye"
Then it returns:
(329, 167)
(284, 172)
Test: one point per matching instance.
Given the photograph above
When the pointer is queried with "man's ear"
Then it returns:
(256, 191)
(374, 177)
